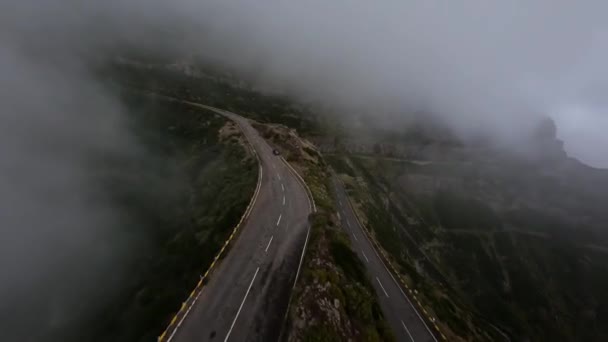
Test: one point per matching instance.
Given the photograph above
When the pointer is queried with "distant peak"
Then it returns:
(546, 129)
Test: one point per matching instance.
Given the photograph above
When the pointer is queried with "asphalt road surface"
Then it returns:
(247, 294)
(407, 323)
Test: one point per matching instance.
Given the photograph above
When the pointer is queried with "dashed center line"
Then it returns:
(355, 236)
(242, 303)
(282, 187)
(283, 199)
(340, 202)
(365, 256)
(279, 220)
(407, 331)
(386, 294)
(278, 175)
(268, 245)
(347, 223)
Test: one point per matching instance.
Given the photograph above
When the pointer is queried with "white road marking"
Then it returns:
(301, 258)
(402, 292)
(347, 223)
(181, 320)
(355, 236)
(386, 294)
(266, 250)
(407, 331)
(282, 187)
(241, 307)
(365, 256)
(279, 220)
(340, 203)
(278, 175)
(283, 199)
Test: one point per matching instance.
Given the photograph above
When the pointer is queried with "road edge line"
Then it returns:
(313, 207)
(196, 292)
(376, 248)
(311, 199)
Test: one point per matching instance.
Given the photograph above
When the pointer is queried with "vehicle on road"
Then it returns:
(276, 152)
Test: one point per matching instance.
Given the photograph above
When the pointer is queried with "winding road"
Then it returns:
(247, 294)
(407, 322)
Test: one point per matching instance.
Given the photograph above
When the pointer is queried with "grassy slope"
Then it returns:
(331, 264)
(217, 90)
(492, 267)
(183, 201)
(504, 276)
(358, 307)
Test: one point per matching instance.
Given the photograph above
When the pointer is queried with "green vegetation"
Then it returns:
(491, 244)
(341, 268)
(193, 215)
(183, 197)
(213, 88)
(458, 212)
(488, 246)
(333, 299)
(347, 260)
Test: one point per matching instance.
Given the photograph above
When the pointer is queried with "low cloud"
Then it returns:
(490, 68)
(482, 67)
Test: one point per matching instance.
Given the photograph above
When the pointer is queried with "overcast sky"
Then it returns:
(481, 65)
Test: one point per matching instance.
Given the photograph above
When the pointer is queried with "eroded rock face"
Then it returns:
(539, 145)
(544, 145)
(546, 130)
(285, 139)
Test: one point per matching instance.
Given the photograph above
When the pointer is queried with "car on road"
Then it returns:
(276, 152)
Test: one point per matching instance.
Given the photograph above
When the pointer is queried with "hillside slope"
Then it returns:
(495, 244)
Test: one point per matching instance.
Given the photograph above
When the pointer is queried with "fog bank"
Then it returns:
(484, 68)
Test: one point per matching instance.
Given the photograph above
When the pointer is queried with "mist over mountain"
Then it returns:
(484, 68)
(495, 70)
(489, 68)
